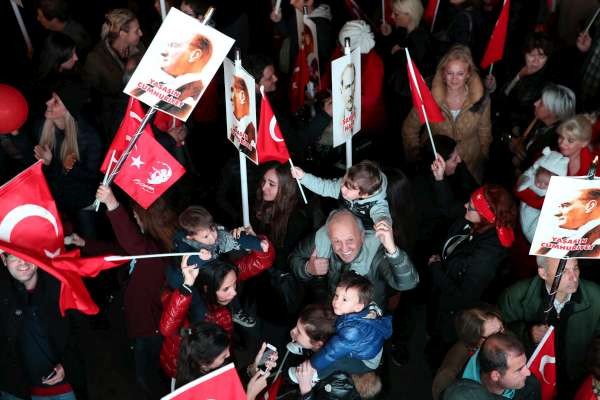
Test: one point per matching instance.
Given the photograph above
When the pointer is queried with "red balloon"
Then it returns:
(13, 109)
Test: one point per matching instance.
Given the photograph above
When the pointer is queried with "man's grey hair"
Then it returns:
(559, 100)
(542, 262)
(340, 211)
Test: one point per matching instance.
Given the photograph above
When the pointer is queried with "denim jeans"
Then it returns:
(65, 396)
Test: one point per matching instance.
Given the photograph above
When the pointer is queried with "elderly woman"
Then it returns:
(475, 248)
(465, 106)
(405, 32)
(109, 63)
(556, 104)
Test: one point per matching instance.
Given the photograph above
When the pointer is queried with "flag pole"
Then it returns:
(349, 138)
(277, 7)
(243, 165)
(563, 261)
(22, 27)
(491, 69)
(435, 12)
(414, 79)
(163, 9)
(589, 25)
(298, 182)
(149, 114)
(110, 163)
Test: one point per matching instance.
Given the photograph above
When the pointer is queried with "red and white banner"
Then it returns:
(221, 384)
(542, 364)
(148, 171)
(270, 143)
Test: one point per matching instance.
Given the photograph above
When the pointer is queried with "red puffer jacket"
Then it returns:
(176, 305)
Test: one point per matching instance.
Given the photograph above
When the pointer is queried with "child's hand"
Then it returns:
(190, 272)
(385, 234)
(264, 245)
(205, 255)
(297, 173)
(305, 373)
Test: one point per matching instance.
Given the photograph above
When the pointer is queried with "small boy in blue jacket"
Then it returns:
(360, 331)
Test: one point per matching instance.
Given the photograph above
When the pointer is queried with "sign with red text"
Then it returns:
(179, 64)
(345, 93)
(569, 224)
(240, 106)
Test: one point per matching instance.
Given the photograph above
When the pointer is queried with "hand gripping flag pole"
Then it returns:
(151, 111)
(563, 261)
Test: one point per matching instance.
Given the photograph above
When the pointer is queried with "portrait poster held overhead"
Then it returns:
(240, 105)
(569, 224)
(179, 64)
(345, 91)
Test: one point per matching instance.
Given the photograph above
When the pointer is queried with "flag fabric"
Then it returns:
(273, 390)
(430, 13)
(542, 364)
(129, 125)
(221, 384)
(495, 47)
(31, 229)
(164, 121)
(421, 95)
(148, 171)
(300, 77)
(270, 144)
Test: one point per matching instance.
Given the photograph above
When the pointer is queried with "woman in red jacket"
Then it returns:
(216, 283)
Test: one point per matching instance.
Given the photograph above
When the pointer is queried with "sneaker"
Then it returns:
(243, 319)
(294, 348)
(292, 374)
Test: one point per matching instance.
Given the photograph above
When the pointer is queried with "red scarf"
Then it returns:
(482, 206)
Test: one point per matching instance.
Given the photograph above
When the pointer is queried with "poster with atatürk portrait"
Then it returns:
(345, 93)
(569, 224)
(240, 106)
(179, 64)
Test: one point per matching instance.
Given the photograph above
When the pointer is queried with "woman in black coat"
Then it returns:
(469, 261)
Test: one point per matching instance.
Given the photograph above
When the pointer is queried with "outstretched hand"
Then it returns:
(385, 234)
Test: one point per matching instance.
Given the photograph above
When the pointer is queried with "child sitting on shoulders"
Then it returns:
(200, 234)
(360, 331)
(532, 186)
(362, 191)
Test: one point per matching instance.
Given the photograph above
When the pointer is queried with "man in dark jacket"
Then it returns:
(37, 357)
(575, 317)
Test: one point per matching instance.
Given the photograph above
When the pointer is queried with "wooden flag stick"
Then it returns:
(299, 184)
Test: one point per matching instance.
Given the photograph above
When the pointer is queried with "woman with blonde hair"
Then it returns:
(574, 136)
(461, 96)
(108, 66)
(70, 150)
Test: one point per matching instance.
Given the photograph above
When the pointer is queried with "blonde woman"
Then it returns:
(70, 150)
(459, 92)
(108, 66)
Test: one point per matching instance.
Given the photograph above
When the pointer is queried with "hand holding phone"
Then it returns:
(268, 359)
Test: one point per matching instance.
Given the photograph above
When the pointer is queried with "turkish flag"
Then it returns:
(270, 144)
(148, 171)
(129, 125)
(422, 99)
(273, 390)
(31, 229)
(300, 77)
(430, 13)
(221, 384)
(542, 364)
(495, 48)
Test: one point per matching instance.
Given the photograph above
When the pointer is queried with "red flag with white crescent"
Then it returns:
(495, 47)
(270, 144)
(221, 384)
(148, 171)
(129, 125)
(31, 229)
(542, 364)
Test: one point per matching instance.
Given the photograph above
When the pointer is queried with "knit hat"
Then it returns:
(554, 162)
(359, 33)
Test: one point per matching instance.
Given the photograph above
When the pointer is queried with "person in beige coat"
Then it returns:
(459, 92)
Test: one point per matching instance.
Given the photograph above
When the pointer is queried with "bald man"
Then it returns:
(373, 255)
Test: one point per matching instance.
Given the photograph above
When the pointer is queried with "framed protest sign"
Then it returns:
(569, 223)
(179, 64)
(345, 93)
(240, 106)
(311, 50)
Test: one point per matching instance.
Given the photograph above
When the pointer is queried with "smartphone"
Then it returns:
(50, 376)
(269, 351)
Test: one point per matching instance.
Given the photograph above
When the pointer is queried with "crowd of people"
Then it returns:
(334, 284)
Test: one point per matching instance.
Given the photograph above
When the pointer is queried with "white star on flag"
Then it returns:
(137, 162)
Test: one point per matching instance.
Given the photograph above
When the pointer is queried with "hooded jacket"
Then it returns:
(357, 336)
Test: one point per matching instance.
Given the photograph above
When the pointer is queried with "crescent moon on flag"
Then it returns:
(543, 362)
(18, 214)
(272, 130)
